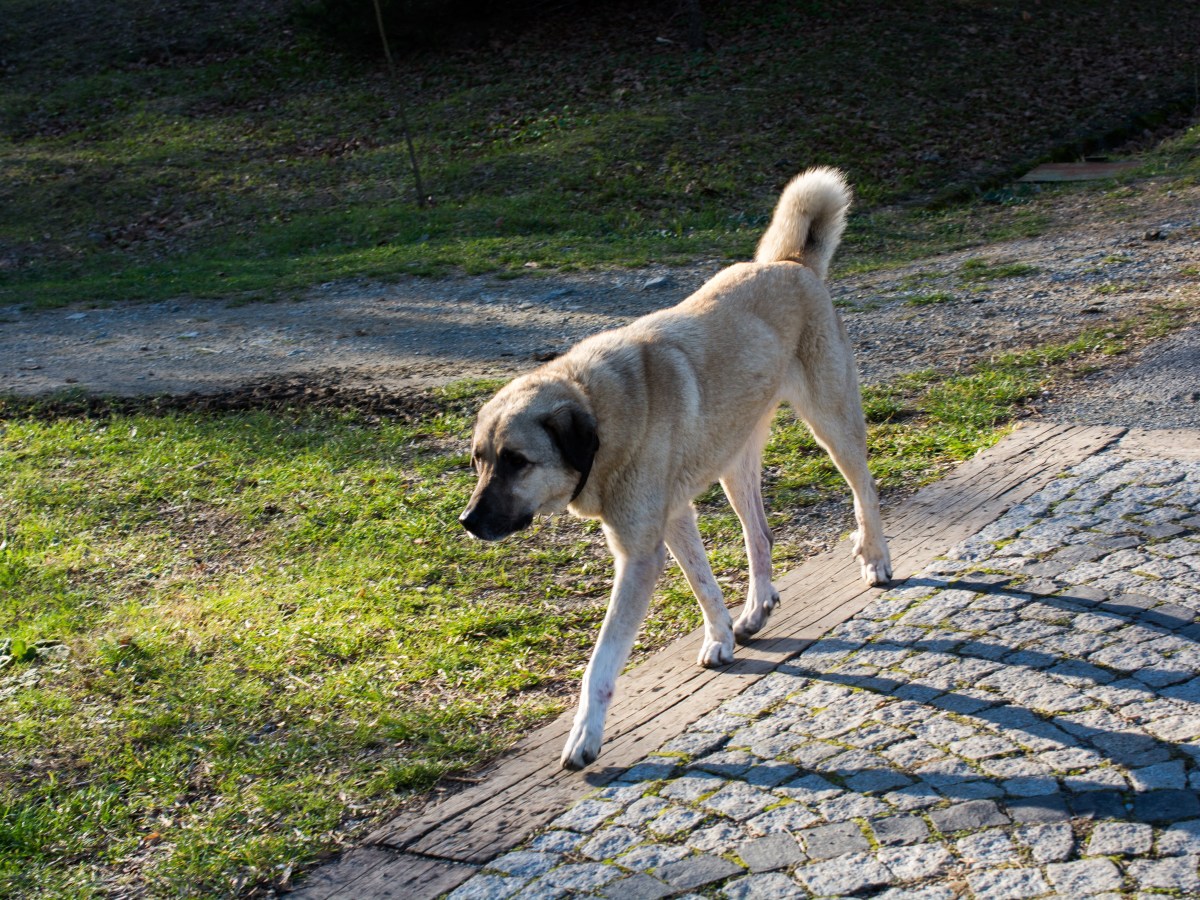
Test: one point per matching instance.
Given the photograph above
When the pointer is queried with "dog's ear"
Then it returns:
(573, 430)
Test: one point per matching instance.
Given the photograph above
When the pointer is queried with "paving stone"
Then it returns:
(488, 887)
(987, 848)
(930, 892)
(1180, 839)
(739, 801)
(915, 862)
(696, 871)
(1177, 873)
(845, 875)
(651, 857)
(970, 815)
(525, 863)
(556, 842)
(692, 786)
(586, 815)
(810, 788)
(1166, 806)
(877, 780)
(1007, 884)
(639, 812)
(1047, 843)
(918, 796)
(775, 851)
(789, 817)
(1099, 805)
(651, 770)
(769, 774)
(1038, 810)
(1084, 877)
(768, 886)
(850, 806)
(1120, 839)
(610, 842)
(1159, 777)
(827, 841)
(677, 819)
(578, 877)
(719, 838)
(897, 830)
(639, 886)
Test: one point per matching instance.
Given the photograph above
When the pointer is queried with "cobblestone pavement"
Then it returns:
(1019, 720)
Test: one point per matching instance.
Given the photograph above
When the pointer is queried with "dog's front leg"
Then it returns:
(636, 574)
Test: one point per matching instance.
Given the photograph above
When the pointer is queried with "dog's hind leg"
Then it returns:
(743, 486)
(832, 409)
(683, 540)
(634, 581)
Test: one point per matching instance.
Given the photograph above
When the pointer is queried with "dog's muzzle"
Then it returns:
(489, 527)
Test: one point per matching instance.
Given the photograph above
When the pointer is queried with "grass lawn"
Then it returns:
(237, 639)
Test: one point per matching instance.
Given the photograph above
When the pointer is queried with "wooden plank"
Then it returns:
(526, 789)
(380, 874)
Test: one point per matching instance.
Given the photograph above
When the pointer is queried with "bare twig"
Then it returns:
(412, 154)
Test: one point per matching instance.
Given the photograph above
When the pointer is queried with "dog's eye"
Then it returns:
(512, 460)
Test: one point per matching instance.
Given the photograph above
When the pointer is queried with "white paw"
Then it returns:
(754, 616)
(876, 571)
(582, 748)
(716, 653)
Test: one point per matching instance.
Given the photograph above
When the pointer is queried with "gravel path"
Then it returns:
(1092, 265)
(1018, 720)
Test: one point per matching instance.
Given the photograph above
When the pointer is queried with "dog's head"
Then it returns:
(533, 448)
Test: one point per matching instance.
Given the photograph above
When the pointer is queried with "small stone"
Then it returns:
(525, 863)
(1180, 838)
(898, 830)
(609, 842)
(1047, 843)
(829, 841)
(1166, 806)
(1008, 884)
(1083, 877)
(638, 887)
(775, 851)
(1120, 839)
(1036, 810)
(577, 877)
(1177, 873)
(970, 815)
(987, 848)
(695, 871)
(585, 815)
(915, 862)
(1162, 776)
(772, 886)
(487, 887)
(845, 875)
(739, 801)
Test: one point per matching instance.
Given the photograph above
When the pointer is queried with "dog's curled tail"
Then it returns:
(808, 222)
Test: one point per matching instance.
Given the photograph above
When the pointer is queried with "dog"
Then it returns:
(630, 425)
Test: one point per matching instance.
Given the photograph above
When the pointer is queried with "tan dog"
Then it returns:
(631, 424)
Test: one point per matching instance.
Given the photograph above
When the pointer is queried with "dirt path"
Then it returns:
(1093, 264)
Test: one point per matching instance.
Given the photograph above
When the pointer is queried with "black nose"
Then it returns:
(479, 524)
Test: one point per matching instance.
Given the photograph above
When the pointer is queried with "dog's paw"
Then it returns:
(754, 616)
(716, 653)
(582, 748)
(876, 571)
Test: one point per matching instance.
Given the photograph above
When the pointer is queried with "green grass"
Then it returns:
(217, 151)
(239, 639)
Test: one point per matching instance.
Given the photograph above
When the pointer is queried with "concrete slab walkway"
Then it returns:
(1018, 717)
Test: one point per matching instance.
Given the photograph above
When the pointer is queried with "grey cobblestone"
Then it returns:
(1005, 724)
